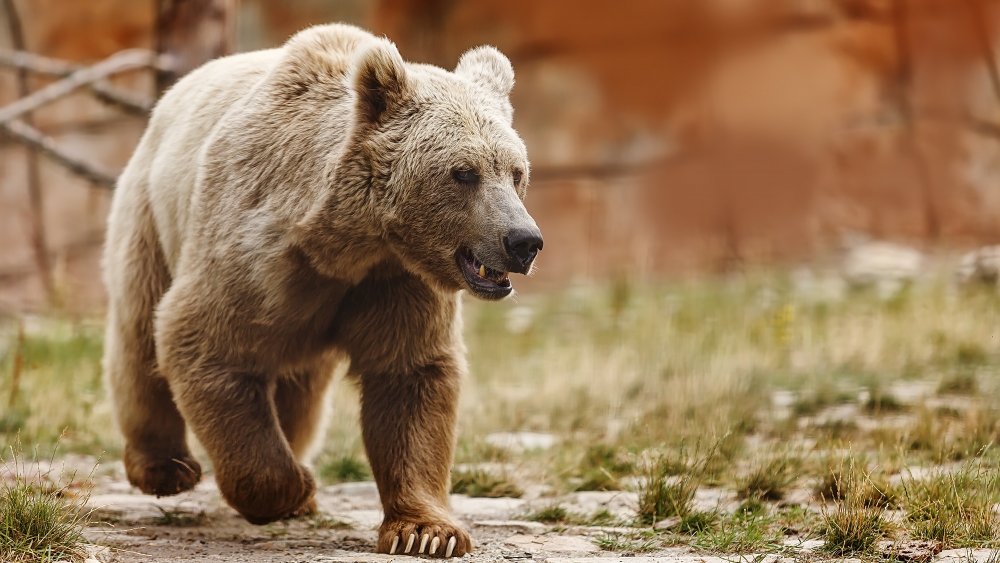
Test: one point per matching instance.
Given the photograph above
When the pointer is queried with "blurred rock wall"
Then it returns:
(666, 136)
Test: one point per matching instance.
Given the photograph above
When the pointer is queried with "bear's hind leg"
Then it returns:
(157, 459)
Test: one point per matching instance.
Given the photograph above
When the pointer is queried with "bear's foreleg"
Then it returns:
(408, 422)
(234, 416)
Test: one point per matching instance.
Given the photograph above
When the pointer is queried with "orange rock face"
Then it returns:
(666, 136)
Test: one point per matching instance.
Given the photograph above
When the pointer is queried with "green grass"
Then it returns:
(345, 468)
(770, 479)
(629, 543)
(741, 533)
(479, 483)
(955, 507)
(40, 521)
(662, 495)
(553, 514)
(51, 389)
(857, 521)
(661, 390)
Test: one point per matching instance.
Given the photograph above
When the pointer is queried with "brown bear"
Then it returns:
(293, 208)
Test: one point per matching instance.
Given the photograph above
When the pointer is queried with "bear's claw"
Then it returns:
(435, 540)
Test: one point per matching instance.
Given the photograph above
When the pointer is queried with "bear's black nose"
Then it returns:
(522, 245)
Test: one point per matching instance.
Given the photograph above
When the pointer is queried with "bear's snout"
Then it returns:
(522, 245)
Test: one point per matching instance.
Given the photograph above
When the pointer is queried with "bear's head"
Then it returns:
(446, 167)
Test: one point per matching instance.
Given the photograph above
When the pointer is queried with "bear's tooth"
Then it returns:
(482, 271)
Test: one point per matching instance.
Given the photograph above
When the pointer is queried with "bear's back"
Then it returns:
(167, 163)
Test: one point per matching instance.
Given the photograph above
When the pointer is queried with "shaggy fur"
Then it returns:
(287, 210)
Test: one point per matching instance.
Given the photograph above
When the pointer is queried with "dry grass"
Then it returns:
(631, 378)
(954, 506)
(41, 521)
(858, 519)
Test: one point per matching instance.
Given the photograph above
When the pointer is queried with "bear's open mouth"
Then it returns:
(483, 280)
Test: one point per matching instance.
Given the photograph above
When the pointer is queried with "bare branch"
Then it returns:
(36, 199)
(34, 138)
(103, 90)
(38, 64)
(122, 61)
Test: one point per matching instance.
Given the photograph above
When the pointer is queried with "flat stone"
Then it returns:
(487, 508)
(671, 559)
(142, 507)
(620, 503)
(967, 555)
(362, 519)
(522, 526)
(667, 524)
(804, 545)
(556, 544)
(365, 489)
(910, 550)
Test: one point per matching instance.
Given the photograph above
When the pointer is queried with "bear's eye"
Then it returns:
(465, 176)
(518, 175)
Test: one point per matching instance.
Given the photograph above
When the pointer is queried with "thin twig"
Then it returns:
(904, 80)
(122, 61)
(32, 137)
(102, 89)
(36, 201)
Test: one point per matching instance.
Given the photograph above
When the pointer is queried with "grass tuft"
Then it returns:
(629, 543)
(955, 508)
(553, 514)
(858, 521)
(662, 495)
(345, 469)
(770, 479)
(39, 523)
(479, 483)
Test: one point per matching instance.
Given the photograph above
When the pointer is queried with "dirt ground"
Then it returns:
(198, 526)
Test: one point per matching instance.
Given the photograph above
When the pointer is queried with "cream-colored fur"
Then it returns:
(290, 209)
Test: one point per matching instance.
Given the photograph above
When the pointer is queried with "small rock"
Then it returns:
(967, 556)
(356, 489)
(911, 550)
(667, 524)
(981, 266)
(884, 266)
(521, 441)
(522, 526)
(487, 508)
(557, 544)
(804, 545)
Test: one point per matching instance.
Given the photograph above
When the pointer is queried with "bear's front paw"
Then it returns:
(269, 494)
(437, 539)
(162, 475)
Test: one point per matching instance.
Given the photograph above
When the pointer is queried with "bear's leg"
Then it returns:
(408, 422)
(234, 417)
(300, 399)
(157, 459)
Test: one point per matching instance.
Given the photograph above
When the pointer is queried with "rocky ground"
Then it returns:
(198, 526)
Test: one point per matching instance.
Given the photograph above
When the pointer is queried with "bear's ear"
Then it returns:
(489, 68)
(379, 80)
